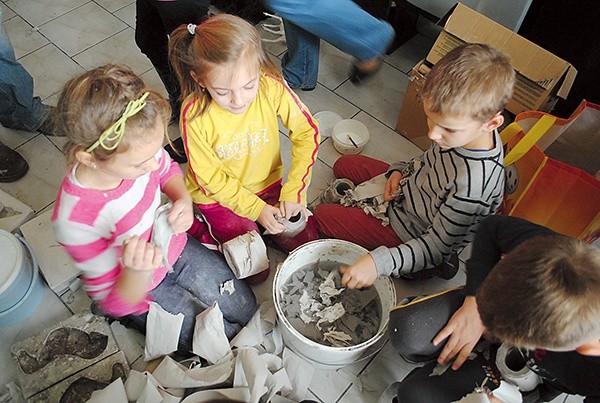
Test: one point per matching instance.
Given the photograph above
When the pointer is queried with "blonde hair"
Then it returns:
(544, 294)
(93, 101)
(217, 41)
(473, 80)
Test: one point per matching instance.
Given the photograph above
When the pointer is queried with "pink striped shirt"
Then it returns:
(91, 225)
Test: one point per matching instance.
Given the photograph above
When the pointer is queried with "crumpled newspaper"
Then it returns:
(257, 368)
(327, 289)
(369, 197)
(162, 232)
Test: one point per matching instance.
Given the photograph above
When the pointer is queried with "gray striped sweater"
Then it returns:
(449, 193)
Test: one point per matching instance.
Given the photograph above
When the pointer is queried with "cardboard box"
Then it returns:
(412, 122)
(542, 78)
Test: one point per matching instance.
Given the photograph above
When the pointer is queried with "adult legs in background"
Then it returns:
(300, 64)
(12, 165)
(193, 286)
(342, 23)
(154, 21)
(19, 109)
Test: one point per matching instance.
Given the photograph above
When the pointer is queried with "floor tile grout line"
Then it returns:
(102, 41)
(111, 12)
(52, 19)
(339, 399)
(315, 395)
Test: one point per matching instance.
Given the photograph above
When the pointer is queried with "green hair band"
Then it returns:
(116, 131)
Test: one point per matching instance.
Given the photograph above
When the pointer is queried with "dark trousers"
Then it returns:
(154, 21)
(419, 386)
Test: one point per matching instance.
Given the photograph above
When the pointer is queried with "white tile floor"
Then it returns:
(58, 39)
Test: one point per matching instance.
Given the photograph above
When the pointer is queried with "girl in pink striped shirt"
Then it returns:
(106, 205)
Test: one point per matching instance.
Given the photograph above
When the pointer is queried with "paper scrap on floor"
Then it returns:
(255, 365)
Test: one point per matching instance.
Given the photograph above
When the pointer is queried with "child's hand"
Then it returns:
(362, 273)
(464, 329)
(139, 255)
(181, 215)
(268, 219)
(391, 186)
(289, 209)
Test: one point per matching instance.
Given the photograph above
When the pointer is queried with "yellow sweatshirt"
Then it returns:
(232, 157)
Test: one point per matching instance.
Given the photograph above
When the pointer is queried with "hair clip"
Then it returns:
(191, 29)
(115, 132)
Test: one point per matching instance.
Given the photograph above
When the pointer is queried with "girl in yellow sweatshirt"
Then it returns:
(233, 96)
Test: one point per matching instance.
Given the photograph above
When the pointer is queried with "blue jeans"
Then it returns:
(342, 23)
(194, 286)
(19, 109)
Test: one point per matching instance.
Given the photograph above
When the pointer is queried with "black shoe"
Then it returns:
(48, 128)
(358, 76)
(305, 89)
(177, 151)
(12, 165)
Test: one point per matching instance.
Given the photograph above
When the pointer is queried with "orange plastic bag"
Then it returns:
(544, 190)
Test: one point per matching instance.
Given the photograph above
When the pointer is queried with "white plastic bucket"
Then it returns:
(21, 288)
(320, 355)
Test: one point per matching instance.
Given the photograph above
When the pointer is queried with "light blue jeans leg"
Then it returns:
(342, 23)
(300, 64)
(19, 109)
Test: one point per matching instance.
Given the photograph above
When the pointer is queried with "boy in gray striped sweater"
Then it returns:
(438, 199)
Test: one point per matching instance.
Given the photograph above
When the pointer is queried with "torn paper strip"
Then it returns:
(210, 341)
(162, 332)
(171, 374)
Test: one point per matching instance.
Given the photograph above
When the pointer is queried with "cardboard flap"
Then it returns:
(565, 87)
(529, 59)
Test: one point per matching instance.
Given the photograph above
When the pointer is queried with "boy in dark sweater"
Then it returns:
(527, 287)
